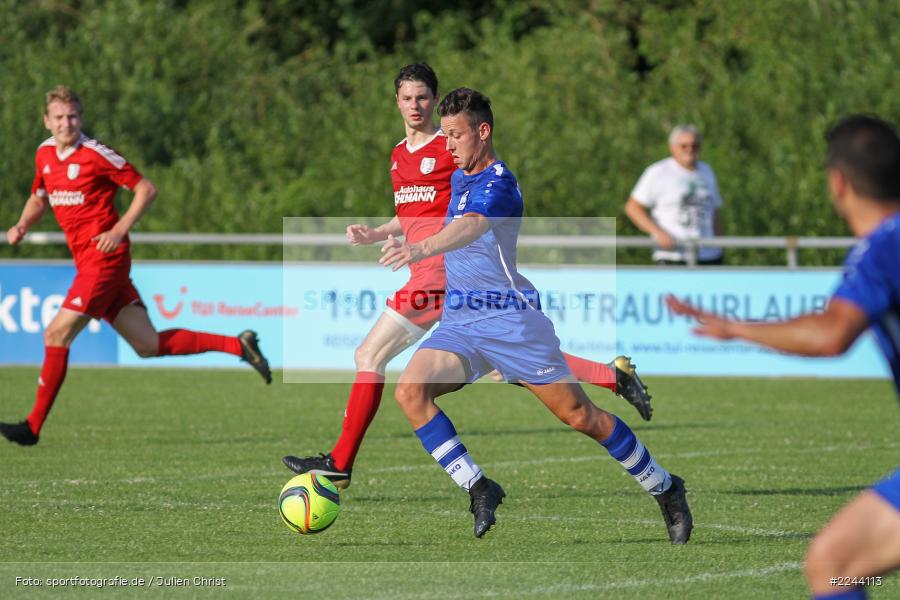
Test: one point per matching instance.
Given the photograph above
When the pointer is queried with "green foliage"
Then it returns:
(245, 112)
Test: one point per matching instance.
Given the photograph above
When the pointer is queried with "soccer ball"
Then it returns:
(309, 503)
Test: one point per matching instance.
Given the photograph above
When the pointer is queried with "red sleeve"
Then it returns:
(127, 176)
(114, 167)
(37, 186)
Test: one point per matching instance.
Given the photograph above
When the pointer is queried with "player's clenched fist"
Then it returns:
(15, 234)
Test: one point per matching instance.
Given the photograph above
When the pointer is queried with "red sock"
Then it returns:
(592, 372)
(365, 398)
(185, 341)
(53, 373)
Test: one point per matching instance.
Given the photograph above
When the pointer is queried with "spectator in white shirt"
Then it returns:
(683, 199)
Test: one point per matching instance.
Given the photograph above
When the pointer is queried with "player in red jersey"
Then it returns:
(421, 168)
(78, 178)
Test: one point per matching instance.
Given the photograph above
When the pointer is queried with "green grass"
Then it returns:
(175, 473)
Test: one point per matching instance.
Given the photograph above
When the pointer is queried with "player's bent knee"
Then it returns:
(52, 338)
(366, 358)
(409, 394)
(361, 356)
(56, 336)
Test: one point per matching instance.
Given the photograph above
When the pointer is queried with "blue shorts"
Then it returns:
(522, 345)
(889, 489)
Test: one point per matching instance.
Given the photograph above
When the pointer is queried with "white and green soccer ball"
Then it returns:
(309, 503)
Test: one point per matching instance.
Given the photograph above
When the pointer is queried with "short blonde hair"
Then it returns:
(61, 94)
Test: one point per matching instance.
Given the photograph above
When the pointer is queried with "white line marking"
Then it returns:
(562, 589)
(599, 456)
(698, 526)
(661, 456)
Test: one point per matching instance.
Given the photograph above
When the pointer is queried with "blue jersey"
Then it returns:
(482, 280)
(872, 282)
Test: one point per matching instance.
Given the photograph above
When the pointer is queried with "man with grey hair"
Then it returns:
(683, 199)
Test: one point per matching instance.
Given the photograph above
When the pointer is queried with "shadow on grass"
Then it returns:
(404, 498)
(643, 426)
(559, 429)
(832, 491)
(703, 539)
(386, 543)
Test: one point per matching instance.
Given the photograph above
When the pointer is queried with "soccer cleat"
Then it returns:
(486, 495)
(19, 433)
(323, 464)
(251, 354)
(676, 512)
(630, 386)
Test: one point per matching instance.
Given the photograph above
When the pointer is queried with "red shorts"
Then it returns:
(421, 299)
(102, 293)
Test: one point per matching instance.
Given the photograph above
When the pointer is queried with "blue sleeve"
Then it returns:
(864, 283)
(497, 198)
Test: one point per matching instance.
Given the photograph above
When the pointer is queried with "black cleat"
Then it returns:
(676, 512)
(630, 386)
(251, 354)
(322, 464)
(19, 433)
(486, 495)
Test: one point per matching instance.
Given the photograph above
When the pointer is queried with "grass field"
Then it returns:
(175, 474)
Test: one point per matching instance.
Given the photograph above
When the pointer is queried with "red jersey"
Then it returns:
(421, 179)
(81, 185)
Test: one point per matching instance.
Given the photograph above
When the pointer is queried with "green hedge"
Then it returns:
(245, 112)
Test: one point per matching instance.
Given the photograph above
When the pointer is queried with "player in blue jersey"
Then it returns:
(863, 540)
(491, 320)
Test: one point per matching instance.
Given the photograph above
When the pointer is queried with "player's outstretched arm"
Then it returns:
(458, 234)
(144, 195)
(35, 207)
(363, 235)
(822, 334)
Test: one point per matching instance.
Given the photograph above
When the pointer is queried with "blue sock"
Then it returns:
(624, 446)
(854, 593)
(439, 438)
